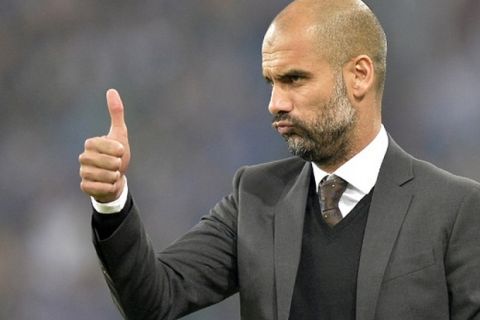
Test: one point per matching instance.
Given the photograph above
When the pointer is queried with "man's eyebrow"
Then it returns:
(295, 73)
(289, 74)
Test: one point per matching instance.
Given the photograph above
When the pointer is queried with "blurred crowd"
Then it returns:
(196, 106)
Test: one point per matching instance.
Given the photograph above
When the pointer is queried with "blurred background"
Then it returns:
(196, 105)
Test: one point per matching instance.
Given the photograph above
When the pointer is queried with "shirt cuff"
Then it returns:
(114, 206)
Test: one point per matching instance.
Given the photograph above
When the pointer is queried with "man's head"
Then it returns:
(325, 60)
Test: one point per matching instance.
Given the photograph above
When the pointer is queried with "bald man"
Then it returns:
(351, 227)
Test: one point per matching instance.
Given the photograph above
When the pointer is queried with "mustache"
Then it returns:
(284, 117)
(298, 126)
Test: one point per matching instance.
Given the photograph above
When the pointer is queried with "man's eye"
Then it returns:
(292, 79)
(295, 78)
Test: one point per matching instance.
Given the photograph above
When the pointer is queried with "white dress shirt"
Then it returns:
(361, 172)
(114, 206)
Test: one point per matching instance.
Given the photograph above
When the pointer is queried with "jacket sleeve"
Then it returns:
(197, 270)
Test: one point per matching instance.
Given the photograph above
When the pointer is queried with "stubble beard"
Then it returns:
(326, 139)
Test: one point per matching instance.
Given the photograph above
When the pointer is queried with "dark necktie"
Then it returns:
(330, 190)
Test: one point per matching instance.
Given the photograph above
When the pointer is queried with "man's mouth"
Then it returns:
(283, 126)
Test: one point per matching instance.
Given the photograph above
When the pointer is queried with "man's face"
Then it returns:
(309, 100)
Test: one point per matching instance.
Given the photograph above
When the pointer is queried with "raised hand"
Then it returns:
(105, 159)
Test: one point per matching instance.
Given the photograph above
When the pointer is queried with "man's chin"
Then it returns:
(293, 139)
(308, 152)
(298, 147)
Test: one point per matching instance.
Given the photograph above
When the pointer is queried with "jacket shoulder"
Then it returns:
(403, 168)
(430, 174)
(270, 178)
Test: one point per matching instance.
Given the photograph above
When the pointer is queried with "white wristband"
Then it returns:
(114, 206)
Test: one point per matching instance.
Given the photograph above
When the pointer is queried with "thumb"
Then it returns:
(118, 128)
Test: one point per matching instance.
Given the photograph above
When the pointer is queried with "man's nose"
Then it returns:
(279, 101)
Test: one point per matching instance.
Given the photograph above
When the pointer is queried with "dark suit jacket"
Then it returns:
(420, 256)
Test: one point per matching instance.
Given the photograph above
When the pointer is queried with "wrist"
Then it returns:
(114, 206)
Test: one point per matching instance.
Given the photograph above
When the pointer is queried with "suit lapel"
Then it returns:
(388, 209)
(289, 217)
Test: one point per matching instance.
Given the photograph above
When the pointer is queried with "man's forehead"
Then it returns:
(270, 36)
(287, 31)
(283, 59)
(279, 60)
(285, 53)
(280, 45)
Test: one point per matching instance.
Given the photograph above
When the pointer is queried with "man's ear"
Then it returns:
(359, 75)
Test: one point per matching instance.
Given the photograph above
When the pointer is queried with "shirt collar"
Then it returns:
(361, 171)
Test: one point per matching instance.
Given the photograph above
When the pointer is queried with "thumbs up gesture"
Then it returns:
(105, 160)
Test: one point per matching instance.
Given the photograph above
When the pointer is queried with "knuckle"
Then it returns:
(120, 151)
(82, 157)
(85, 172)
(116, 147)
(84, 186)
(111, 178)
(89, 143)
(93, 143)
(120, 147)
(118, 163)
